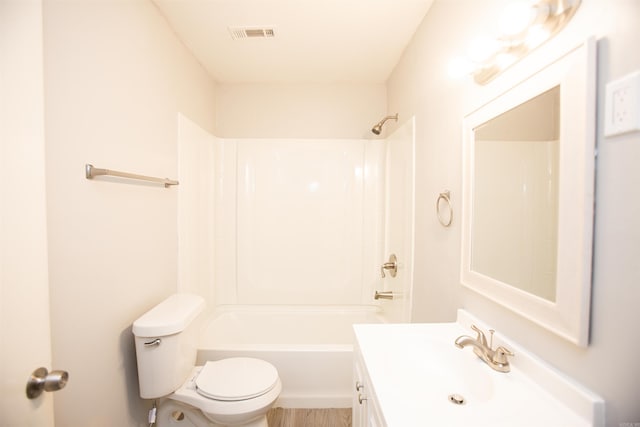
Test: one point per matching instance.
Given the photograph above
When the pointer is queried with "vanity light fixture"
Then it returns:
(524, 25)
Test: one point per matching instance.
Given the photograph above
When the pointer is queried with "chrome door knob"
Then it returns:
(43, 380)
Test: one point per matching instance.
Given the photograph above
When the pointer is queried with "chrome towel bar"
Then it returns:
(91, 172)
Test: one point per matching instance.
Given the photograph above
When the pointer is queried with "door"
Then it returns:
(24, 298)
(399, 223)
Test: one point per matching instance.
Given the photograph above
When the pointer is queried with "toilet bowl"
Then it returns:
(237, 391)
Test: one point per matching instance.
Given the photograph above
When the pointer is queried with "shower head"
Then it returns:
(378, 127)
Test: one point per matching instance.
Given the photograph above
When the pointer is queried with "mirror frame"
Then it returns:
(568, 315)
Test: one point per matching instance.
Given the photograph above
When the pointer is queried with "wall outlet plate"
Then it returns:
(622, 106)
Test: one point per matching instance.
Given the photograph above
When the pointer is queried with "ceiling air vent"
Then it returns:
(251, 32)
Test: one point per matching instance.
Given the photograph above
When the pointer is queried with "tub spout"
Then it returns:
(383, 295)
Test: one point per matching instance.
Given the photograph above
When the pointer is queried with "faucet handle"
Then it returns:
(392, 266)
(500, 355)
(481, 338)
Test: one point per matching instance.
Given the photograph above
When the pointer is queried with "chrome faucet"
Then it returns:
(497, 358)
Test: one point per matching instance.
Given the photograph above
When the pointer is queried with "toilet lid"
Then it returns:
(236, 378)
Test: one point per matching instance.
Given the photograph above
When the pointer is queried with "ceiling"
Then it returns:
(313, 40)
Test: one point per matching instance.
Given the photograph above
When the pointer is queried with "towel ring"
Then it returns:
(446, 196)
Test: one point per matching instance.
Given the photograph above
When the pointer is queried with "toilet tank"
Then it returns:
(166, 340)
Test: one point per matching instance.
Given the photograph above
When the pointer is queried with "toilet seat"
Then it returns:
(236, 378)
(220, 411)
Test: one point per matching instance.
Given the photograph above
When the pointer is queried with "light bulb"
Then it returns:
(504, 60)
(482, 48)
(517, 17)
(460, 67)
(536, 36)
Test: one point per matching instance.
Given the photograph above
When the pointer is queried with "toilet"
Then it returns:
(237, 391)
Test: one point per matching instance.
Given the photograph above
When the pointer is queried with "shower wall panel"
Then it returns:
(196, 213)
(306, 214)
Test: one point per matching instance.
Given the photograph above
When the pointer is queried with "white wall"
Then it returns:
(115, 79)
(303, 110)
(420, 85)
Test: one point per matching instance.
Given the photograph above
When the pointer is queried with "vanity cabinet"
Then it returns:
(365, 407)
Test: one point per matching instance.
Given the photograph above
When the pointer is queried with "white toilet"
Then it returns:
(231, 392)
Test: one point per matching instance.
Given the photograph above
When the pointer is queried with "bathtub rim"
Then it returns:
(295, 308)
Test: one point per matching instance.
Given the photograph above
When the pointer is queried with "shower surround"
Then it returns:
(285, 238)
(293, 221)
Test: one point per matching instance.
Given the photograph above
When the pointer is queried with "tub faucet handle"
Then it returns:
(391, 265)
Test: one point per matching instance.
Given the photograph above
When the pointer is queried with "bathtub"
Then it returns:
(311, 346)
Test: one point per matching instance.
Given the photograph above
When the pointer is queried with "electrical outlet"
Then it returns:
(622, 107)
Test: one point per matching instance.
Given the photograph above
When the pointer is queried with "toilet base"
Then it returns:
(176, 414)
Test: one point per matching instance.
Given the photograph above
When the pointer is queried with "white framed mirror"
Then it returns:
(528, 194)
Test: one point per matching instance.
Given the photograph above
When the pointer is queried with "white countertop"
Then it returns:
(413, 368)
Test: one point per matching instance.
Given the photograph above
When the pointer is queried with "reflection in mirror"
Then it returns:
(515, 203)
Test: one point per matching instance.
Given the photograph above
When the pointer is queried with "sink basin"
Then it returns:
(419, 377)
(449, 370)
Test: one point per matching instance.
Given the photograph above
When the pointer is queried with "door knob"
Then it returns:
(43, 380)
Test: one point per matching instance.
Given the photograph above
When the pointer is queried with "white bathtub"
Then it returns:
(311, 346)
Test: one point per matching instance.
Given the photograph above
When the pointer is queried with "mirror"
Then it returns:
(515, 196)
(528, 196)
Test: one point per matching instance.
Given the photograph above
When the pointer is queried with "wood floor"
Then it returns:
(287, 417)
